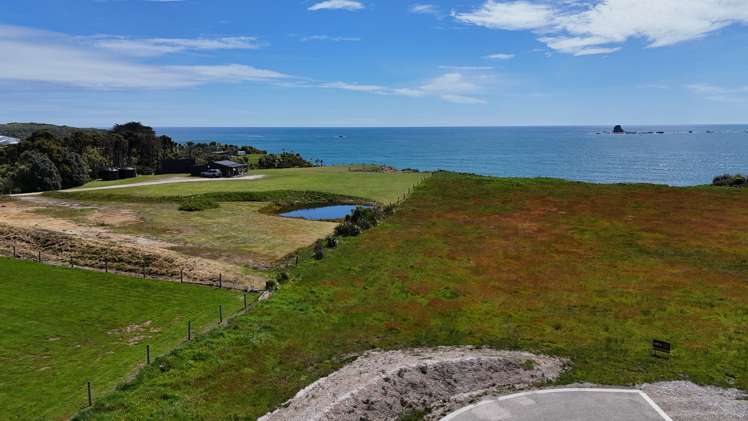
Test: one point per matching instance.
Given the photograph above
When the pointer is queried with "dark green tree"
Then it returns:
(73, 170)
(36, 172)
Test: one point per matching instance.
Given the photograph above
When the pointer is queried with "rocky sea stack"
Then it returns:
(618, 130)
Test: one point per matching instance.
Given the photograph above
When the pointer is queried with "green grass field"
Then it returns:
(588, 272)
(63, 327)
(377, 186)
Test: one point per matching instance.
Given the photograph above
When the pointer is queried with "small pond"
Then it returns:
(322, 213)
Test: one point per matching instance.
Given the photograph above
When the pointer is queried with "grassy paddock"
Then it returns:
(589, 272)
(63, 327)
(381, 187)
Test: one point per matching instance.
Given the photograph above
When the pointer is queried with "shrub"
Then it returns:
(36, 173)
(73, 170)
(347, 229)
(332, 242)
(364, 218)
(271, 285)
(284, 160)
(319, 251)
(360, 220)
(282, 277)
(197, 204)
(729, 180)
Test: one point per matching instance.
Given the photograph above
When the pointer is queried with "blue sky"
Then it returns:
(374, 62)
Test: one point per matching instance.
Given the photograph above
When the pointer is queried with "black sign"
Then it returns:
(660, 346)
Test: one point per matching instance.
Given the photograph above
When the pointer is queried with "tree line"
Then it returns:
(59, 157)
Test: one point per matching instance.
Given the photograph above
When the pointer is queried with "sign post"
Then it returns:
(661, 348)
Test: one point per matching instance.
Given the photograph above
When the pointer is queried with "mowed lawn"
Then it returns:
(64, 327)
(589, 272)
(377, 186)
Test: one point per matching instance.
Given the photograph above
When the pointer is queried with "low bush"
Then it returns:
(362, 219)
(347, 229)
(319, 251)
(729, 180)
(283, 160)
(197, 204)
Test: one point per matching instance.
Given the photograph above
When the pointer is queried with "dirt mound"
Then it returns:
(382, 385)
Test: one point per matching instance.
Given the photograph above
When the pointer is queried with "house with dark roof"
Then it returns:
(229, 168)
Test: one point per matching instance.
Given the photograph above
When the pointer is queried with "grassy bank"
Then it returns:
(589, 272)
(63, 327)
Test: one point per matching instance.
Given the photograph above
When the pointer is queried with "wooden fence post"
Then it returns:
(220, 314)
(106, 265)
(181, 275)
(40, 256)
(148, 354)
(90, 395)
(220, 280)
(189, 330)
(245, 301)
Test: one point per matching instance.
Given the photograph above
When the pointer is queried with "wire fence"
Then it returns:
(144, 268)
(86, 396)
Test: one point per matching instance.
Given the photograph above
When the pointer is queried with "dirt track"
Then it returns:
(174, 180)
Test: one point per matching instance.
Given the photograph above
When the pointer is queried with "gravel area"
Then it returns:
(685, 401)
(382, 385)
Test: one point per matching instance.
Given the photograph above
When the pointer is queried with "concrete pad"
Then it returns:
(576, 404)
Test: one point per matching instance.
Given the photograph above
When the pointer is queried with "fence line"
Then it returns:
(104, 265)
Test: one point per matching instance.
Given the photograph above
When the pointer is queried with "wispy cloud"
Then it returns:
(53, 58)
(602, 26)
(329, 38)
(427, 9)
(719, 93)
(337, 5)
(466, 68)
(43, 57)
(452, 87)
(499, 56)
(149, 47)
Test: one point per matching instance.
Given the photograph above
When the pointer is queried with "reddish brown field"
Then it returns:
(588, 272)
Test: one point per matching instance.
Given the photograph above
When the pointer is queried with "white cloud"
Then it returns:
(499, 56)
(602, 26)
(150, 47)
(337, 5)
(509, 15)
(53, 58)
(453, 87)
(466, 68)
(329, 38)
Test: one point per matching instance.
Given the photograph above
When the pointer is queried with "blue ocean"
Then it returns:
(679, 156)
